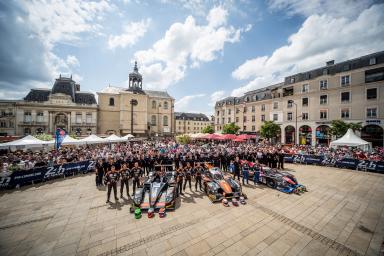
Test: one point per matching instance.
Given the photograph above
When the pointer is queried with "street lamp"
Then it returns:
(292, 102)
(133, 102)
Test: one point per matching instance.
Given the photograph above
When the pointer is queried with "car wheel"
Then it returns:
(271, 183)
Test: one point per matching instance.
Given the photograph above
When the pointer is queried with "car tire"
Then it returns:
(271, 183)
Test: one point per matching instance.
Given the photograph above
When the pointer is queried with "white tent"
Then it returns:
(350, 139)
(115, 138)
(128, 136)
(26, 142)
(68, 140)
(92, 139)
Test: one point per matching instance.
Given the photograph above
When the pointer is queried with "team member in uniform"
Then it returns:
(111, 179)
(198, 172)
(179, 180)
(99, 172)
(125, 176)
(188, 176)
(137, 173)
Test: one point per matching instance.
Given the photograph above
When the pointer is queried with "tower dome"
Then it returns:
(135, 81)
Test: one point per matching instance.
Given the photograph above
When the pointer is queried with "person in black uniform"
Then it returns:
(188, 176)
(236, 168)
(179, 180)
(99, 172)
(111, 179)
(137, 173)
(198, 172)
(281, 160)
(125, 176)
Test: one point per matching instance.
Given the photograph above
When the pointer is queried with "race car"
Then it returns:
(282, 181)
(158, 192)
(219, 186)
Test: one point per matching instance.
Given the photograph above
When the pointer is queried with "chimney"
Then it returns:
(330, 63)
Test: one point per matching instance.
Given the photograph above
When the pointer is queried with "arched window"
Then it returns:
(165, 121)
(165, 104)
(111, 102)
(153, 104)
(153, 120)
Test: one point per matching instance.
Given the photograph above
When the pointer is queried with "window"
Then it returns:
(346, 67)
(253, 128)
(237, 119)
(323, 99)
(372, 61)
(263, 107)
(244, 119)
(345, 113)
(275, 117)
(218, 112)
(244, 128)
(3, 124)
(323, 114)
(304, 116)
(371, 93)
(289, 104)
(253, 109)
(323, 84)
(275, 105)
(27, 117)
(40, 117)
(292, 80)
(237, 110)
(11, 124)
(374, 75)
(289, 116)
(229, 120)
(325, 72)
(305, 88)
(111, 102)
(88, 118)
(371, 112)
(165, 120)
(229, 111)
(345, 97)
(262, 118)
(222, 120)
(245, 109)
(253, 118)
(153, 120)
(154, 105)
(165, 105)
(345, 80)
(305, 102)
(78, 118)
(27, 131)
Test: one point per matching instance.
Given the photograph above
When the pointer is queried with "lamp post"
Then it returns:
(133, 102)
(292, 102)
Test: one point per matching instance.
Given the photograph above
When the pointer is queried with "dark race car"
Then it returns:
(219, 186)
(282, 181)
(158, 192)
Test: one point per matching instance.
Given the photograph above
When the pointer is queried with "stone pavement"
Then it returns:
(342, 214)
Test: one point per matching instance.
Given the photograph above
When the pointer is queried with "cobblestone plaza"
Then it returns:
(342, 214)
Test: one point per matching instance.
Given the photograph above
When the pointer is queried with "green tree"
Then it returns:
(183, 139)
(231, 128)
(44, 137)
(269, 129)
(208, 129)
(339, 127)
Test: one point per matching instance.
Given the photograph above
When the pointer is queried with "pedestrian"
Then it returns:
(179, 180)
(99, 172)
(236, 168)
(198, 172)
(188, 176)
(124, 181)
(136, 173)
(111, 179)
(245, 173)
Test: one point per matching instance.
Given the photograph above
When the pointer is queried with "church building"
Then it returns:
(135, 111)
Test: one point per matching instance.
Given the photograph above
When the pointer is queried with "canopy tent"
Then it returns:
(128, 136)
(350, 139)
(246, 136)
(214, 137)
(92, 139)
(229, 136)
(68, 140)
(115, 138)
(27, 142)
(196, 135)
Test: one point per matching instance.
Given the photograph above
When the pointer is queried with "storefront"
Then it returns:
(305, 135)
(323, 136)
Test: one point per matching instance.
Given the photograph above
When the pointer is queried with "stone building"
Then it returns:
(44, 110)
(134, 110)
(352, 91)
(190, 122)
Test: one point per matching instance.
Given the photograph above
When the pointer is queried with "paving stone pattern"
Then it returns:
(342, 214)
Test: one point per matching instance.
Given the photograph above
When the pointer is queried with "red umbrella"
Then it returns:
(229, 136)
(238, 140)
(213, 137)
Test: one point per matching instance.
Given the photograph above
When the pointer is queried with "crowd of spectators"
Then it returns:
(170, 152)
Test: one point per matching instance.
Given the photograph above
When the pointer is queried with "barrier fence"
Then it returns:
(349, 163)
(41, 174)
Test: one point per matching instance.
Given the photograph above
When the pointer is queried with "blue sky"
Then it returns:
(199, 51)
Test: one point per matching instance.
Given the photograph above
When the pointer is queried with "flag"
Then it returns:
(60, 135)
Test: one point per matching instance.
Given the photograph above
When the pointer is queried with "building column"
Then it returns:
(313, 135)
(282, 134)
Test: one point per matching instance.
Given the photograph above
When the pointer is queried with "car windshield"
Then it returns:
(218, 176)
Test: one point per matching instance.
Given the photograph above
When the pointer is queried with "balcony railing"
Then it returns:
(7, 115)
(84, 124)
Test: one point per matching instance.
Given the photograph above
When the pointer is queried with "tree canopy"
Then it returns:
(208, 129)
(339, 127)
(231, 128)
(269, 129)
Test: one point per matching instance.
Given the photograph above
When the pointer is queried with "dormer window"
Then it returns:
(372, 61)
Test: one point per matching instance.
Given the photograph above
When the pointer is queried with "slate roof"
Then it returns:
(190, 116)
(39, 95)
(158, 94)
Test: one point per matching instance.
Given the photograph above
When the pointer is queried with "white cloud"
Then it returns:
(218, 95)
(132, 33)
(186, 45)
(183, 104)
(335, 8)
(320, 38)
(72, 61)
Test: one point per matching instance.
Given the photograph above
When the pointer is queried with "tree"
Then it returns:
(208, 129)
(44, 136)
(269, 129)
(183, 139)
(339, 127)
(231, 128)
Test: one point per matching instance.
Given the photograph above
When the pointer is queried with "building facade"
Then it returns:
(190, 122)
(135, 111)
(44, 110)
(352, 91)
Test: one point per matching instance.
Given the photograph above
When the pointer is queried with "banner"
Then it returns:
(45, 173)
